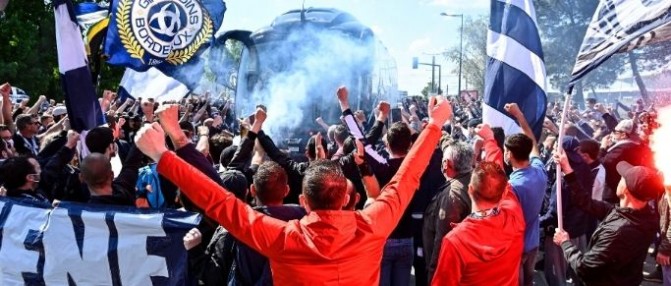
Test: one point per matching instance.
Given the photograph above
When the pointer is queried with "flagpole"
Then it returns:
(560, 210)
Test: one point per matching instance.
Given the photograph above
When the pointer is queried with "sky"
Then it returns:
(408, 28)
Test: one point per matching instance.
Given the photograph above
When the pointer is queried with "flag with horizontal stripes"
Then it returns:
(515, 66)
(80, 96)
(620, 26)
(151, 84)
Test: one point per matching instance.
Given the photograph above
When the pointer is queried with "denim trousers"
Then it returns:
(666, 275)
(397, 261)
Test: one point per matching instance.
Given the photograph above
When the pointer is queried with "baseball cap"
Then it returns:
(59, 110)
(626, 126)
(642, 182)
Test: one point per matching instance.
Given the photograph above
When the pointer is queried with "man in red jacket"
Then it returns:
(328, 246)
(486, 247)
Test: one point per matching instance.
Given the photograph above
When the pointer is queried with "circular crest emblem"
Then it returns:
(163, 30)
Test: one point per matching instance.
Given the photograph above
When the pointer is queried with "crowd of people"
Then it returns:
(434, 190)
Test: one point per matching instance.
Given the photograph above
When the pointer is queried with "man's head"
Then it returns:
(590, 102)
(398, 139)
(310, 151)
(271, 184)
(638, 184)
(589, 150)
(457, 158)
(27, 124)
(517, 148)
(354, 197)
(20, 173)
(235, 182)
(623, 130)
(472, 124)
(6, 135)
(46, 120)
(488, 182)
(96, 172)
(101, 140)
(187, 128)
(59, 112)
(340, 134)
(324, 187)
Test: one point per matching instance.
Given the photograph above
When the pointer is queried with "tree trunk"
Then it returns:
(639, 80)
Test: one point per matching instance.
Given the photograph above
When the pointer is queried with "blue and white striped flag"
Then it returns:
(80, 96)
(151, 84)
(515, 67)
(620, 26)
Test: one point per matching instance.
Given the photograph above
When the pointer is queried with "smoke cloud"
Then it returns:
(660, 137)
(300, 74)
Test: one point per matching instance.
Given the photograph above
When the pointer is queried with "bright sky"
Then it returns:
(409, 28)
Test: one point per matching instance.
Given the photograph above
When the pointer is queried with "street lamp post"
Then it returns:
(416, 64)
(461, 45)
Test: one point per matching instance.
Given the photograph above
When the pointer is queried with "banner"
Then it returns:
(80, 244)
(620, 26)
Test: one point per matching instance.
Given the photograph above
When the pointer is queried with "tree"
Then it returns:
(562, 25)
(28, 54)
(427, 90)
(475, 53)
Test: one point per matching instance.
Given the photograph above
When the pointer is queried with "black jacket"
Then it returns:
(449, 206)
(619, 245)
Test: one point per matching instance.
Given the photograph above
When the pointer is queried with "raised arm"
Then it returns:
(581, 198)
(254, 229)
(515, 111)
(38, 104)
(5, 91)
(387, 210)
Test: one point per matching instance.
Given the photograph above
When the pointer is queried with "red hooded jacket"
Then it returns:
(484, 251)
(324, 247)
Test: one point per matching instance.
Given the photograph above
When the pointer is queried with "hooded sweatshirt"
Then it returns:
(324, 247)
(484, 251)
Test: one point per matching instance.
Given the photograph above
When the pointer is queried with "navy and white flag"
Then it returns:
(620, 26)
(515, 67)
(151, 84)
(79, 244)
(160, 33)
(80, 96)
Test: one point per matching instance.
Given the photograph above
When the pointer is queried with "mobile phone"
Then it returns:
(396, 115)
(251, 119)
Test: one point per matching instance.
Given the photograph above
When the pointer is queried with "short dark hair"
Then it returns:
(488, 182)
(14, 171)
(99, 139)
(23, 121)
(340, 134)
(399, 138)
(520, 146)
(96, 170)
(590, 147)
(324, 185)
(270, 182)
(310, 148)
(349, 145)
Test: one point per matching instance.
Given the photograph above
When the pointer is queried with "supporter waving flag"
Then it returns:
(80, 96)
(515, 67)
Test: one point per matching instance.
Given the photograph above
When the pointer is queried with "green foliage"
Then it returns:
(563, 24)
(28, 52)
(475, 53)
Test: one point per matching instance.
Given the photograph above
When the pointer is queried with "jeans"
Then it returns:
(397, 261)
(666, 275)
(527, 267)
(556, 266)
